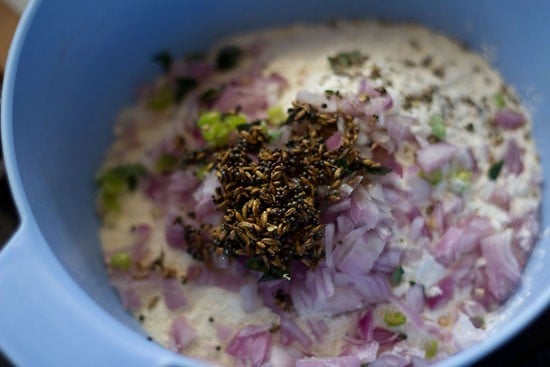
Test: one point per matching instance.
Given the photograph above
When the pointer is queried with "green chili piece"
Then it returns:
(116, 181)
(216, 127)
(276, 115)
(431, 349)
(434, 177)
(438, 126)
(121, 261)
(499, 101)
(394, 318)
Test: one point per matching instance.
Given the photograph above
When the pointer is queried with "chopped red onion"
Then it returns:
(508, 119)
(421, 190)
(434, 156)
(172, 291)
(385, 337)
(318, 329)
(344, 361)
(444, 248)
(320, 101)
(366, 88)
(365, 327)
(250, 94)
(391, 359)
(140, 248)
(203, 276)
(398, 128)
(328, 240)
(174, 231)
(512, 157)
(388, 260)
(499, 197)
(502, 268)
(373, 288)
(386, 159)
(365, 352)
(181, 334)
(334, 141)
(250, 300)
(290, 331)
(414, 298)
(281, 357)
(343, 300)
(357, 255)
(251, 345)
(446, 288)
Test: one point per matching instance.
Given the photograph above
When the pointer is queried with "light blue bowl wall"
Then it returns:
(81, 62)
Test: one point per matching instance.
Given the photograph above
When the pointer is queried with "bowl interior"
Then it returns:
(82, 61)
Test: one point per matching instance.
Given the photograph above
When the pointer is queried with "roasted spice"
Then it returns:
(343, 61)
(271, 198)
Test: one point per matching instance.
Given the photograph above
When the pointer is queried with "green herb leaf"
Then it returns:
(434, 177)
(228, 57)
(164, 59)
(495, 169)
(397, 276)
(394, 318)
(343, 61)
(184, 86)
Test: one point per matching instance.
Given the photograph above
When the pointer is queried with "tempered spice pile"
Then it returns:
(272, 198)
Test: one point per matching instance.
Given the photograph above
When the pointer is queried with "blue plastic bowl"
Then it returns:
(74, 64)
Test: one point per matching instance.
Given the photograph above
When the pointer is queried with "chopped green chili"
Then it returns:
(276, 115)
(121, 261)
(434, 177)
(394, 318)
(431, 349)
(117, 181)
(438, 126)
(499, 101)
(216, 127)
